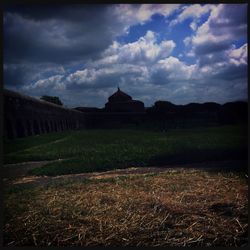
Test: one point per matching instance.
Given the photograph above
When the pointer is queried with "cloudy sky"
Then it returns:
(81, 53)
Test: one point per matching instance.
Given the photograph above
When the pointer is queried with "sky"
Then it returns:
(180, 53)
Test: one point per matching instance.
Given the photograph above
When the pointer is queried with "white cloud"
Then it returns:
(175, 69)
(54, 82)
(212, 46)
(142, 51)
(193, 25)
(238, 56)
(194, 11)
(131, 14)
(187, 40)
(147, 10)
(223, 26)
(87, 76)
(100, 76)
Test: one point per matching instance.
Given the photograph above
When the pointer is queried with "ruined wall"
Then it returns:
(26, 116)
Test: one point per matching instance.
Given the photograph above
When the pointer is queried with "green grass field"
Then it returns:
(98, 150)
(176, 207)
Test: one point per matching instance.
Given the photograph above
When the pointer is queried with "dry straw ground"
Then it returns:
(182, 207)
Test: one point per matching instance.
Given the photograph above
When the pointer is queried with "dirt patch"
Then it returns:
(12, 171)
(16, 174)
(43, 180)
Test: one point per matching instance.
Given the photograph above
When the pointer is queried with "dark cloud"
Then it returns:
(68, 12)
(211, 47)
(15, 76)
(18, 75)
(232, 72)
(160, 77)
(59, 35)
(212, 58)
(232, 18)
(62, 37)
(226, 25)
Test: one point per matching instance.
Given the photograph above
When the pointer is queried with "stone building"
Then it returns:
(122, 102)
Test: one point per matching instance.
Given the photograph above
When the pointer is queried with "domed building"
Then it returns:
(122, 102)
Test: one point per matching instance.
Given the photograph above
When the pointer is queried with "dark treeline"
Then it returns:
(52, 99)
(164, 115)
(198, 114)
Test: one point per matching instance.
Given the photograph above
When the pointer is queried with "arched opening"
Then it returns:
(46, 127)
(36, 127)
(28, 126)
(41, 126)
(9, 129)
(55, 126)
(77, 124)
(61, 125)
(19, 128)
(51, 126)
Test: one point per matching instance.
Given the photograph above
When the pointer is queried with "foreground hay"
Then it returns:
(175, 208)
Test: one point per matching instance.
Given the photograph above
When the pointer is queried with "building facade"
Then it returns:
(122, 102)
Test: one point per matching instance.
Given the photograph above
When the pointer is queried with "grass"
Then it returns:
(98, 150)
(175, 208)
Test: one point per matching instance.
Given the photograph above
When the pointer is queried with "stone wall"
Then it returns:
(26, 116)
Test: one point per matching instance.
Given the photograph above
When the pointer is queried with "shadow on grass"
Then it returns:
(198, 156)
(76, 165)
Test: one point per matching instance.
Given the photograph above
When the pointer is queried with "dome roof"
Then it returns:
(119, 96)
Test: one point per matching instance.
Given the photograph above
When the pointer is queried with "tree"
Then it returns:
(52, 99)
